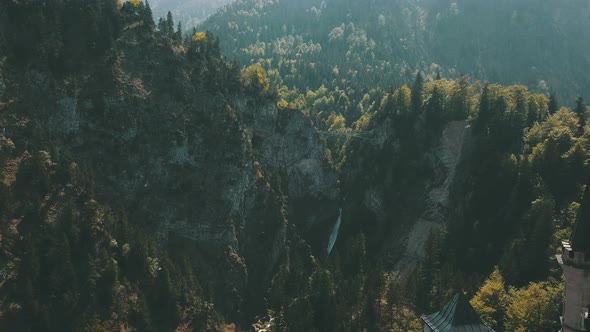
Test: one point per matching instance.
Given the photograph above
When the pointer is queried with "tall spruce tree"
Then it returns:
(417, 98)
(179, 32)
(553, 103)
(162, 26)
(148, 17)
(435, 109)
(581, 112)
(169, 25)
(485, 110)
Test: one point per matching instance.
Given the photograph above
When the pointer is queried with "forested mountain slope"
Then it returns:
(188, 12)
(356, 47)
(458, 177)
(146, 184)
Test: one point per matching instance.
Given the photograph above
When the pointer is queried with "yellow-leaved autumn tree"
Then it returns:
(254, 78)
(491, 300)
(402, 97)
(534, 308)
(200, 36)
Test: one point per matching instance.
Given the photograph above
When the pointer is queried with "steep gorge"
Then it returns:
(163, 136)
(147, 184)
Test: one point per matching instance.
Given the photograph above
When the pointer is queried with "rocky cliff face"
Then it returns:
(444, 161)
(290, 149)
(167, 136)
(401, 187)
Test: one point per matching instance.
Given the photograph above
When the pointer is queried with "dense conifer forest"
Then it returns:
(188, 12)
(288, 165)
(358, 50)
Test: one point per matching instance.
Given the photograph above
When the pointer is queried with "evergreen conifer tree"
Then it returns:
(417, 98)
(179, 32)
(162, 25)
(553, 103)
(148, 18)
(169, 25)
(580, 111)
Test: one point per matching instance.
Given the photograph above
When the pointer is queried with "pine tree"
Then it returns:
(148, 18)
(162, 25)
(179, 32)
(394, 296)
(459, 99)
(485, 114)
(280, 322)
(435, 109)
(417, 98)
(553, 103)
(581, 112)
(322, 289)
(169, 25)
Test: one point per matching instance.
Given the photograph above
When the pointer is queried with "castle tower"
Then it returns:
(575, 262)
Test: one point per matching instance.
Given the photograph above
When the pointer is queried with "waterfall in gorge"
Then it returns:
(334, 234)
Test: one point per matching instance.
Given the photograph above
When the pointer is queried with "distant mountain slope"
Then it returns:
(189, 12)
(541, 44)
